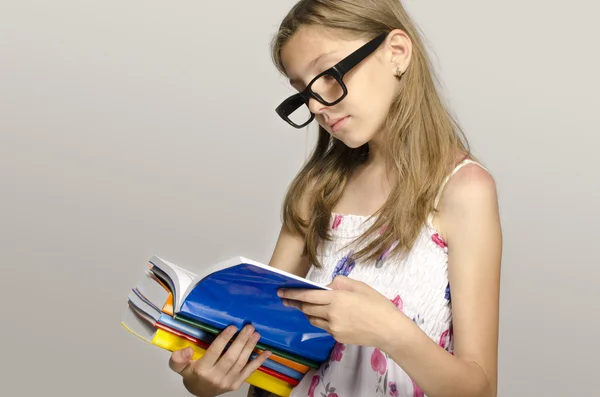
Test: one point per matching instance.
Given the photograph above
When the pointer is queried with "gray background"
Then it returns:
(131, 128)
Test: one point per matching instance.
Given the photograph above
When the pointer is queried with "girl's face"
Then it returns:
(372, 84)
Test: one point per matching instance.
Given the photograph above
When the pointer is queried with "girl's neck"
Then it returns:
(377, 153)
(379, 162)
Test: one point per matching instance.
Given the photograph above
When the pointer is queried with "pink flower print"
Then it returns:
(417, 392)
(443, 338)
(332, 395)
(338, 352)
(336, 221)
(313, 386)
(378, 361)
(438, 240)
(393, 389)
(397, 301)
(446, 338)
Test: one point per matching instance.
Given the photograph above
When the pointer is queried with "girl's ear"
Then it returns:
(399, 46)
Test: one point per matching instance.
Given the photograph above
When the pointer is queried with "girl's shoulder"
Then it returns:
(469, 181)
(468, 191)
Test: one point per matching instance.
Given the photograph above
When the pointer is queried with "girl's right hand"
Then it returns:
(216, 373)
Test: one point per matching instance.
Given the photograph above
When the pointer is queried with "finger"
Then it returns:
(180, 359)
(253, 365)
(244, 355)
(309, 308)
(319, 322)
(217, 347)
(344, 283)
(319, 297)
(230, 357)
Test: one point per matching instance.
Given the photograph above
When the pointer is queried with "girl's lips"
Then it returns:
(339, 124)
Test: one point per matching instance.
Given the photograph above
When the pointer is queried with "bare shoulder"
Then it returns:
(472, 184)
(470, 194)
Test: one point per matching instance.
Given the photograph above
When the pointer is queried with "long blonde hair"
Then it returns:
(423, 139)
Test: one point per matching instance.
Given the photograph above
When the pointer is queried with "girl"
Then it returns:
(391, 210)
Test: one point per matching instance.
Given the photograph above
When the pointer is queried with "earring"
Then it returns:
(399, 72)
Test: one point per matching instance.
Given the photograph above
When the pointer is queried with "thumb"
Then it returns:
(180, 359)
(343, 283)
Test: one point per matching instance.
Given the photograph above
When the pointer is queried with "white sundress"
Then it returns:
(417, 284)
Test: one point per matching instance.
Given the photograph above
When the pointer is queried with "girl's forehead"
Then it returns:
(309, 48)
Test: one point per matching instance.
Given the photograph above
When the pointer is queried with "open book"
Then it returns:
(239, 291)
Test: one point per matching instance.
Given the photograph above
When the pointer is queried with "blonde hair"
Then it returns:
(423, 139)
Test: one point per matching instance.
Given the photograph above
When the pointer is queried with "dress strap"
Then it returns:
(441, 189)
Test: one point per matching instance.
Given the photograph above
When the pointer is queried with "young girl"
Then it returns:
(391, 211)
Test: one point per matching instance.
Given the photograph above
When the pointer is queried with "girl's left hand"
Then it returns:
(352, 312)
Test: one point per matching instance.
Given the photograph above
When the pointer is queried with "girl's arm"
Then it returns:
(289, 248)
(287, 254)
(469, 219)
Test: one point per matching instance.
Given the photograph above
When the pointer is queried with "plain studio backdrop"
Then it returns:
(132, 128)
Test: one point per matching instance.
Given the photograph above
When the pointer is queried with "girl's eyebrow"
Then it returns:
(312, 64)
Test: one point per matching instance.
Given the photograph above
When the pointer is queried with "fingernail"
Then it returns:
(279, 293)
(189, 352)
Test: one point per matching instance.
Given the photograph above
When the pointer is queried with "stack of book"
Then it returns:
(173, 308)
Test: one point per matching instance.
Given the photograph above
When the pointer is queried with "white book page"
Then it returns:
(152, 290)
(143, 306)
(181, 277)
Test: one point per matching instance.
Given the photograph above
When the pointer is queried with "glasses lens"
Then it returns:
(328, 88)
(300, 115)
(296, 110)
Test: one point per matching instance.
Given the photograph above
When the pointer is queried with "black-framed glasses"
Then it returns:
(327, 87)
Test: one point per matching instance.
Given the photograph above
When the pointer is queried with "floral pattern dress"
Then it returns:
(418, 286)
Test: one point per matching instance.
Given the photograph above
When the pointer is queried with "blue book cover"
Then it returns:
(241, 291)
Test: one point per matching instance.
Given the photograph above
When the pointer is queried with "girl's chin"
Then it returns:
(350, 141)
